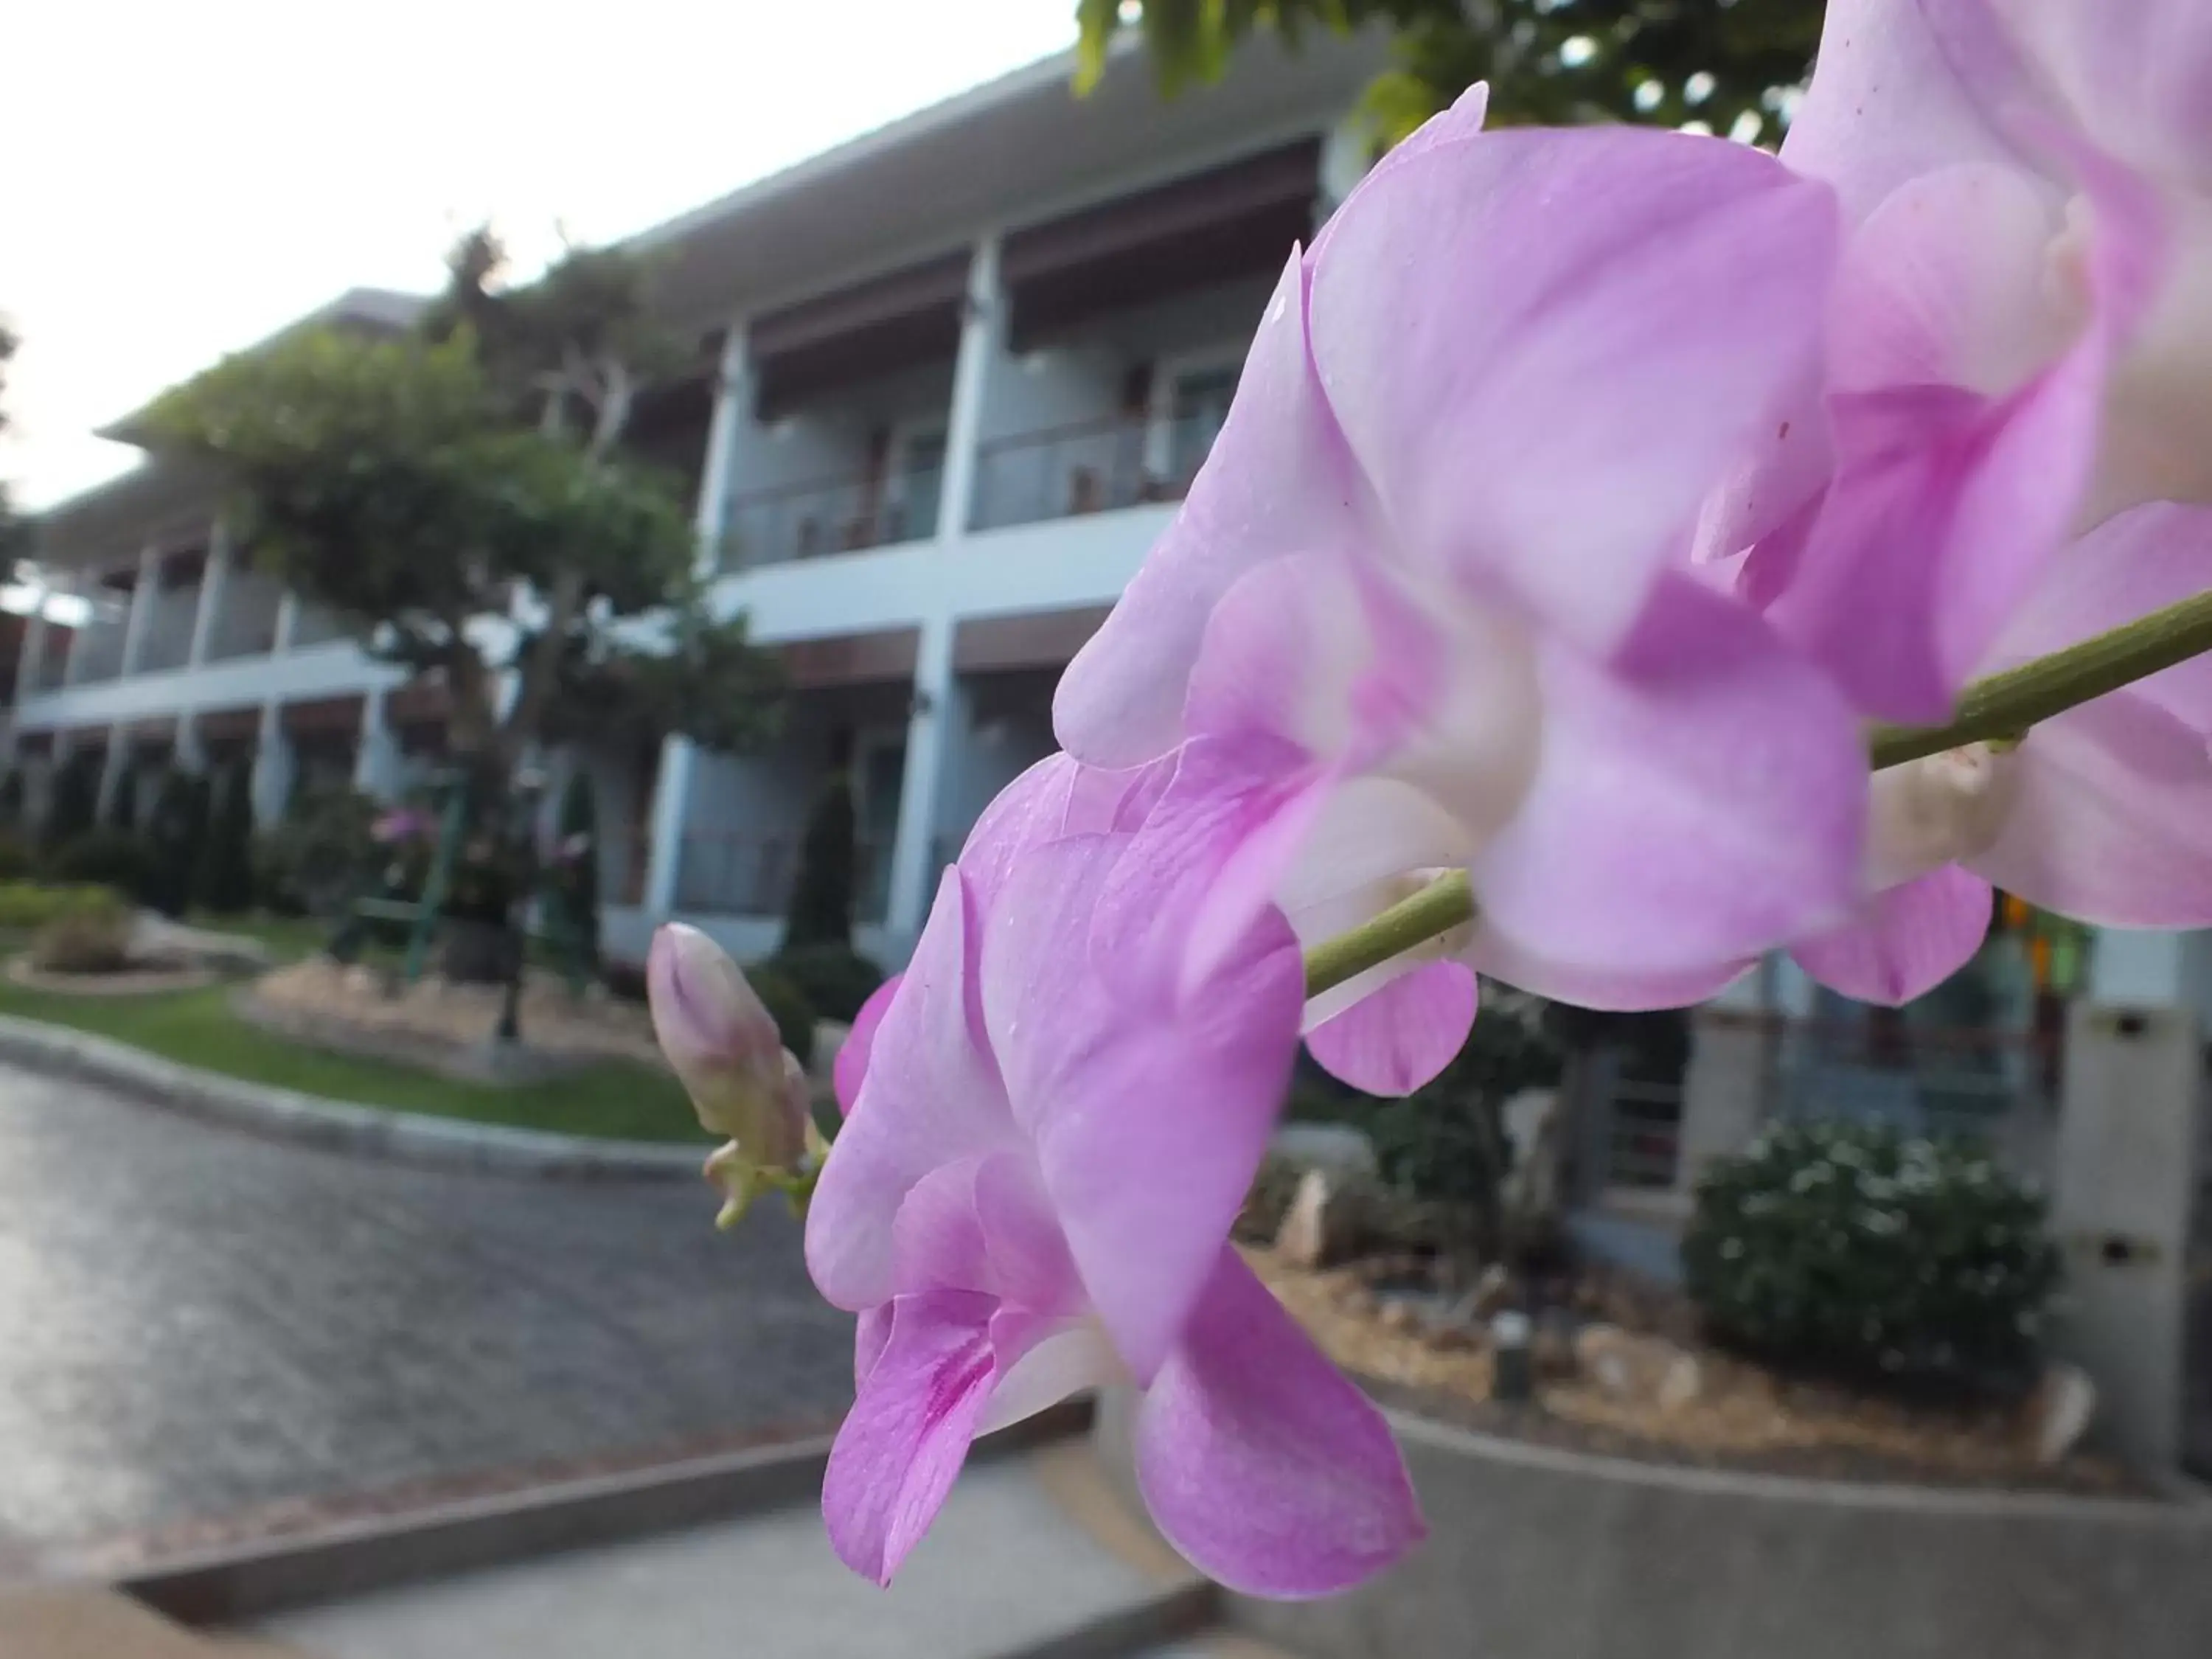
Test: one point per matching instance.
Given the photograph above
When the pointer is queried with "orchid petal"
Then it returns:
(1398, 1038)
(1906, 941)
(903, 1443)
(2128, 567)
(1623, 304)
(1148, 1110)
(1074, 1356)
(1260, 1462)
(1597, 985)
(1278, 480)
(2112, 822)
(1697, 802)
(851, 1065)
(930, 1096)
(1885, 106)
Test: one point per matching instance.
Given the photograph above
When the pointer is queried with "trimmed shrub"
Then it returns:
(75, 798)
(1445, 1144)
(320, 856)
(787, 1006)
(834, 978)
(33, 904)
(105, 858)
(15, 861)
(11, 797)
(1857, 1250)
(176, 827)
(821, 911)
(224, 880)
(87, 942)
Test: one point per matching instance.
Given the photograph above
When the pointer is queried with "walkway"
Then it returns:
(203, 1333)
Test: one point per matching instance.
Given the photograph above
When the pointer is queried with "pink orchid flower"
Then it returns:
(2103, 813)
(1050, 1129)
(1425, 593)
(2021, 339)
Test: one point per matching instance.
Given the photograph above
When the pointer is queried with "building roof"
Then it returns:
(1014, 149)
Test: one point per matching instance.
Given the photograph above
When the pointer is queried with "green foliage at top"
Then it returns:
(223, 882)
(822, 891)
(1857, 1249)
(1556, 62)
(1445, 1144)
(834, 977)
(415, 483)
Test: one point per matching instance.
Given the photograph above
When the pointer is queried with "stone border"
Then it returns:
(336, 1124)
(122, 982)
(1547, 1553)
(356, 1558)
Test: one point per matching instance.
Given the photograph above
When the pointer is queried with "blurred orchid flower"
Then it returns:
(2021, 339)
(1050, 1133)
(2103, 813)
(1424, 598)
(724, 1046)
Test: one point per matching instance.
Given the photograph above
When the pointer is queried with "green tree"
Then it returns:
(463, 496)
(224, 880)
(1662, 62)
(821, 911)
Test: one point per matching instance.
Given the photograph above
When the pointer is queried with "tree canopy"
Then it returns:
(462, 494)
(1663, 62)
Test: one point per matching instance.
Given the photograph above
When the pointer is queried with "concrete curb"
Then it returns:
(236, 1585)
(336, 1124)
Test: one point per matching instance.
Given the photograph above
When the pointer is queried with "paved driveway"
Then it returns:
(200, 1329)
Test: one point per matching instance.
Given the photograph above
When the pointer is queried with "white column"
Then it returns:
(190, 753)
(272, 768)
(287, 619)
(2126, 1179)
(673, 787)
(112, 764)
(983, 340)
(929, 731)
(213, 575)
(145, 600)
(733, 395)
(671, 796)
(376, 757)
(34, 655)
(74, 663)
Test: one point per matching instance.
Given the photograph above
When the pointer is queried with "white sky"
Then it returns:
(180, 180)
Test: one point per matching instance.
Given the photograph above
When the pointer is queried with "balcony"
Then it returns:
(1091, 466)
(836, 515)
(742, 875)
(246, 621)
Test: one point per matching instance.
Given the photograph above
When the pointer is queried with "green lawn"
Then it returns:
(618, 1099)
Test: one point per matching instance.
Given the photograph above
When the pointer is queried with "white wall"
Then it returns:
(1009, 731)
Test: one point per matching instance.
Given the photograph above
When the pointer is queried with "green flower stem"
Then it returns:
(2004, 706)
(2000, 708)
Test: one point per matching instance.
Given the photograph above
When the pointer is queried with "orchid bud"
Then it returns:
(724, 1046)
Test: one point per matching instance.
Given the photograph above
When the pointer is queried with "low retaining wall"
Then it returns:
(338, 1125)
(1538, 1554)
